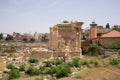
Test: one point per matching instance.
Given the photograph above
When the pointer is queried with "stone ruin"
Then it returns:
(65, 39)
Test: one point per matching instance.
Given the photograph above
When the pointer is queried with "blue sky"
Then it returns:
(38, 15)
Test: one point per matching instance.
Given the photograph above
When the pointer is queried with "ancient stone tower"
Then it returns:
(65, 34)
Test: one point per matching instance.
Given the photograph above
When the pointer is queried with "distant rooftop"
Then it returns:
(113, 33)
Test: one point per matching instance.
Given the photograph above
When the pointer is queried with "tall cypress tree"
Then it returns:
(108, 26)
(1, 36)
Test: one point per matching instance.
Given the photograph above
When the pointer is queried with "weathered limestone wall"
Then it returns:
(74, 54)
(41, 55)
(54, 55)
(53, 42)
(62, 54)
(65, 34)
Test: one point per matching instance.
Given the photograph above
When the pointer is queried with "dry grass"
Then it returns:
(29, 78)
(103, 73)
(99, 73)
(81, 74)
(2, 65)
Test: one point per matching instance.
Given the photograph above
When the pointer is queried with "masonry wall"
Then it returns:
(54, 55)
(106, 41)
(53, 42)
(85, 44)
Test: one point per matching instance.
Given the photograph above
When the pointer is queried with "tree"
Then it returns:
(116, 28)
(65, 21)
(9, 37)
(25, 39)
(114, 44)
(1, 36)
(93, 48)
(108, 26)
(43, 39)
(32, 40)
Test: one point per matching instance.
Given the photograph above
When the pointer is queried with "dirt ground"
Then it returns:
(100, 73)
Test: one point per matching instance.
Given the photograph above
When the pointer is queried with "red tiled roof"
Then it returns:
(113, 33)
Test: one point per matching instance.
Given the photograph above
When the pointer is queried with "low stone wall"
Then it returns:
(85, 44)
(74, 54)
(67, 55)
(42, 55)
(58, 53)
(54, 55)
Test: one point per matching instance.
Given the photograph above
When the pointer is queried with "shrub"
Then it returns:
(105, 56)
(114, 45)
(32, 71)
(0, 48)
(55, 62)
(58, 62)
(48, 64)
(33, 60)
(41, 70)
(13, 59)
(70, 64)
(119, 53)
(36, 71)
(93, 48)
(85, 63)
(75, 62)
(96, 63)
(51, 70)
(58, 71)
(22, 67)
(10, 66)
(13, 47)
(62, 71)
(65, 21)
(114, 61)
(91, 61)
(14, 73)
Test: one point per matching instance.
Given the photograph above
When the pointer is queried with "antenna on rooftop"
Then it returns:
(93, 22)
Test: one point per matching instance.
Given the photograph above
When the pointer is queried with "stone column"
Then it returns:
(77, 27)
(51, 38)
